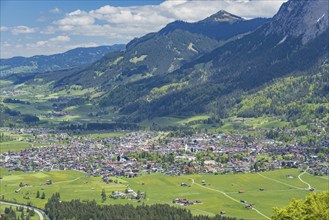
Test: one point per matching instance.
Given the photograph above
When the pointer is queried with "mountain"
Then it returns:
(221, 26)
(165, 51)
(69, 59)
(278, 68)
(223, 16)
(294, 42)
(307, 19)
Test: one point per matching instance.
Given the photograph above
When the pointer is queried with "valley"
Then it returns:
(216, 118)
(278, 190)
(220, 170)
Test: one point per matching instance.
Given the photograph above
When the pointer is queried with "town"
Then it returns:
(139, 153)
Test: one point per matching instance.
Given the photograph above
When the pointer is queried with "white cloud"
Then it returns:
(22, 30)
(55, 10)
(60, 39)
(4, 29)
(50, 43)
(121, 22)
(40, 43)
(109, 24)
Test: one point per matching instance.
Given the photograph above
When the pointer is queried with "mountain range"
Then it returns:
(165, 51)
(211, 67)
(295, 40)
(70, 59)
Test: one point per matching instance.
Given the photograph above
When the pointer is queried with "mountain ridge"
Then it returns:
(222, 16)
(176, 44)
(178, 72)
(243, 64)
(69, 59)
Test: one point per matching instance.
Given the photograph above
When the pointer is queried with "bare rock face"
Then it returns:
(223, 16)
(301, 18)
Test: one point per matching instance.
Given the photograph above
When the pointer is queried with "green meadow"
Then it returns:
(70, 184)
(105, 134)
(218, 193)
(14, 146)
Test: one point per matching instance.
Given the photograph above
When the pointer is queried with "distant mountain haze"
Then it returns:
(41, 63)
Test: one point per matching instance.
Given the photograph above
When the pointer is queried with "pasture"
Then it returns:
(217, 193)
(14, 146)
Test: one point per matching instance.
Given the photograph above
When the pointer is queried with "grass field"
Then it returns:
(220, 193)
(70, 184)
(13, 146)
(106, 135)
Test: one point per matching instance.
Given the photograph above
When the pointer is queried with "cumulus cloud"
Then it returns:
(76, 18)
(50, 43)
(20, 30)
(110, 24)
(60, 39)
(4, 29)
(124, 22)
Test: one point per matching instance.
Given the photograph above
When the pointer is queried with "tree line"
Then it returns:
(75, 209)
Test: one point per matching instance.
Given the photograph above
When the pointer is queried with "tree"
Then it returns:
(43, 196)
(103, 194)
(38, 194)
(22, 214)
(32, 212)
(30, 118)
(7, 210)
(315, 206)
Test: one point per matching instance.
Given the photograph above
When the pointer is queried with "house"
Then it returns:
(130, 191)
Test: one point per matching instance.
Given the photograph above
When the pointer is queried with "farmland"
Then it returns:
(217, 193)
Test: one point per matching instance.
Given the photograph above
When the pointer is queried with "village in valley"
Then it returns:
(138, 153)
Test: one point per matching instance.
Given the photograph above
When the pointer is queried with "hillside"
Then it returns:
(239, 66)
(162, 52)
(41, 63)
(278, 71)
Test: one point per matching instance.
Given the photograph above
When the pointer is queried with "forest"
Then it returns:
(75, 209)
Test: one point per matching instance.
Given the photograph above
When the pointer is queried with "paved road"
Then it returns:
(36, 210)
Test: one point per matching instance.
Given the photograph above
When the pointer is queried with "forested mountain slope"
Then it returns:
(272, 51)
(163, 52)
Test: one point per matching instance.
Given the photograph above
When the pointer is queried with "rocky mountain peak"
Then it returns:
(223, 16)
(301, 18)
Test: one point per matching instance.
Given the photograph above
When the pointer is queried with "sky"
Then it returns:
(43, 27)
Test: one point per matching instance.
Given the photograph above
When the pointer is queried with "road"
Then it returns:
(235, 200)
(36, 210)
(309, 186)
(274, 180)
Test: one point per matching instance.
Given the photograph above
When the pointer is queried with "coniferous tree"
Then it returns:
(103, 194)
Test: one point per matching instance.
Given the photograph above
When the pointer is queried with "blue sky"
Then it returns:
(46, 27)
